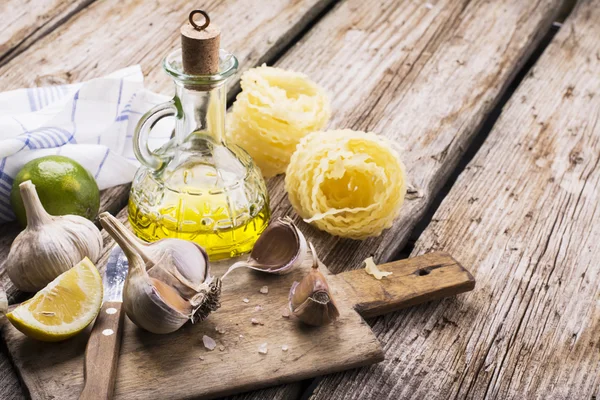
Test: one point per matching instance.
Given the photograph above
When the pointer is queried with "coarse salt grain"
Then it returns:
(284, 347)
(209, 342)
(221, 348)
(264, 290)
(262, 349)
(246, 300)
(258, 308)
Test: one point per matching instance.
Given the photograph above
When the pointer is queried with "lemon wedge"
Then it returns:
(63, 308)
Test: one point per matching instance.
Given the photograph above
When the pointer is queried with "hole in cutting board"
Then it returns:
(423, 272)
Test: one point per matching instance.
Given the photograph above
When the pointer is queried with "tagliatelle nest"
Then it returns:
(348, 183)
(275, 109)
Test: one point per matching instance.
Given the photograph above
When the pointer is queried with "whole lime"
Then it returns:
(63, 185)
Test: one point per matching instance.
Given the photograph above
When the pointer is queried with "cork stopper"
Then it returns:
(200, 46)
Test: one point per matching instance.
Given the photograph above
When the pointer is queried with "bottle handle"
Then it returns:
(142, 131)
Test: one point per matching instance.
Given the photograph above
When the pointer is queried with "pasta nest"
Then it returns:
(276, 109)
(347, 183)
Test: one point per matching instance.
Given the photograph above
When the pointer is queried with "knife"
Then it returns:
(102, 351)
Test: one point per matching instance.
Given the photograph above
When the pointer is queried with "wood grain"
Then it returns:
(236, 366)
(163, 366)
(112, 34)
(25, 21)
(413, 281)
(102, 353)
(425, 77)
(525, 215)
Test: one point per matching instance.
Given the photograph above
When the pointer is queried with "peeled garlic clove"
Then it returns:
(49, 245)
(168, 283)
(310, 300)
(278, 250)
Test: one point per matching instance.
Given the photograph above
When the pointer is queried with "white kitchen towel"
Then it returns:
(91, 122)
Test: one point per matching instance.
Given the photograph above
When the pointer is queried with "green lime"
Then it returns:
(63, 185)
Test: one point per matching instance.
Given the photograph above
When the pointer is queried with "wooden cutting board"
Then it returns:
(177, 366)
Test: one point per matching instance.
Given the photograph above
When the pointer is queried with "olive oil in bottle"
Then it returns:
(196, 186)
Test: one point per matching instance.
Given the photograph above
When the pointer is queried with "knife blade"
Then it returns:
(114, 278)
(102, 351)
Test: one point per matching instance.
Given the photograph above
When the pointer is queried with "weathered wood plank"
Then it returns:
(150, 365)
(10, 388)
(110, 35)
(25, 21)
(425, 76)
(114, 34)
(419, 33)
(524, 214)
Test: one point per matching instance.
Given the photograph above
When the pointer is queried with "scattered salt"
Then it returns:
(258, 308)
(256, 322)
(201, 358)
(241, 336)
(264, 290)
(246, 300)
(262, 349)
(284, 347)
(285, 314)
(221, 348)
(209, 342)
(429, 6)
(219, 329)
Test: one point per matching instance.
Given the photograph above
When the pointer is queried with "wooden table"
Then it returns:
(517, 203)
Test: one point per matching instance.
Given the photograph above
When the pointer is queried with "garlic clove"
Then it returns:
(49, 245)
(310, 299)
(279, 249)
(144, 303)
(168, 283)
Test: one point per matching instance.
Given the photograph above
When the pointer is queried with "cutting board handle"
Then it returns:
(413, 281)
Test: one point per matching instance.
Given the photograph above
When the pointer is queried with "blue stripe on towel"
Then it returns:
(102, 163)
(32, 105)
(75, 99)
(119, 98)
(5, 187)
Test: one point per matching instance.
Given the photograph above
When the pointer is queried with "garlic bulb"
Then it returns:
(310, 300)
(49, 245)
(168, 283)
(278, 250)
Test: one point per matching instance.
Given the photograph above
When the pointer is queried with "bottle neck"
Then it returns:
(202, 111)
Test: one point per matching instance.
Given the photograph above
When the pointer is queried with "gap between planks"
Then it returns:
(485, 130)
(299, 18)
(53, 13)
(530, 329)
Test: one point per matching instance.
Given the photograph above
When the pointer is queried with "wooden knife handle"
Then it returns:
(413, 281)
(102, 353)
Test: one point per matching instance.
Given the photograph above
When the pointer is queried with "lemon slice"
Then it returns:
(63, 308)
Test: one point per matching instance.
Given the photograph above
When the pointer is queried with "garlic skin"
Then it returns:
(310, 300)
(279, 249)
(3, 300)
(168, 283)
(49, 245)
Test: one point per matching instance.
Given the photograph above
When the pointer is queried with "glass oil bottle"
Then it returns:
(197, 187)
